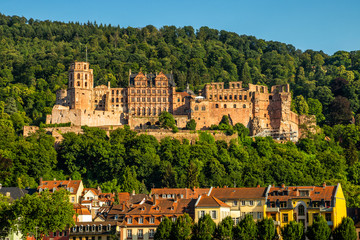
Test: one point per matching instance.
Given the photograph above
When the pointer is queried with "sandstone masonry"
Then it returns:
(139, 105)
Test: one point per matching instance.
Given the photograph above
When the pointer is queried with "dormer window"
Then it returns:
(172, 208)
(129, 220)
(163, 196)
(116, 217)
(304, 193)
(74, 229)
(141, 220)
(157, 208)
(71, 190)
(81, 228)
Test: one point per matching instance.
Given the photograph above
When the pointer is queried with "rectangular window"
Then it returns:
(159, 99)
(213, 214)
(152, 220)
(129, 220)
(235, 203)
(328, 217)
(243, 203)
(72, 199)
(201, 214)
(129, 233)
(140, 233)
(285, 217)
(251, 203)
(259, 215)
(151, 233)
(164, 99)
(141, 220)
(259, 203)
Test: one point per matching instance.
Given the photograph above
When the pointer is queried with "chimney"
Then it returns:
(283, 186)
(123, 206)
(324, 185)
(258, 185)
(133, 192)
(154, 199)
(40, 181)
(69, 178)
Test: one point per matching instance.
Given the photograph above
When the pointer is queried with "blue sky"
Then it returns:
(318, 24)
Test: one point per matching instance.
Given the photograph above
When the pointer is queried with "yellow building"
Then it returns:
(303, 204)
(242, 201)
(217, 209)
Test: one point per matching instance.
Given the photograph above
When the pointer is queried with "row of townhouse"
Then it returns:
(138, 215)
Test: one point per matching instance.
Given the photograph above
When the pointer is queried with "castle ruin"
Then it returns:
(139, 105)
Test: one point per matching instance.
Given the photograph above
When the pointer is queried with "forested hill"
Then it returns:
(34, 59)
(35, 56)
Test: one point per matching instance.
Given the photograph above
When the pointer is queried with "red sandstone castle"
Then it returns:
(139, 105)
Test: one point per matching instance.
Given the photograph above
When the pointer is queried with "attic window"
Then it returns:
(172, 208)
(100, 228)
(157, 208)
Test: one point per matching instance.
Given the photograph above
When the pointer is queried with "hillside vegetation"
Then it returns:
(35, 56)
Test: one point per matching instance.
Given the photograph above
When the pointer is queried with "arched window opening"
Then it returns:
(203, 108)
(85, 76)
(196, 108)
(244, 106)
(78, 84)
(240, 97)
(78, 76)
(85, 84)
(216, 105)
(301, 210)
(225, 106)
(234, 105)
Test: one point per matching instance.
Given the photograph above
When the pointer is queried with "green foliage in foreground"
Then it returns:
(38, 213)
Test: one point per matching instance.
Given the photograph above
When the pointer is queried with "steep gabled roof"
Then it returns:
(185, 192)
(210, 201)
(57, 184)
(239, 193)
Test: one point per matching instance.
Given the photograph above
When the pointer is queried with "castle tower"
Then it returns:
(81, 83)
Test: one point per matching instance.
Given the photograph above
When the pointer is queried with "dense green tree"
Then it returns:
(205, 228)
(292, 231)
(224, 231)
(246, 229)
(345, 230)
(319, 230)
(167, 121)
(182, 228)
(266, 229)
(44, 213)
(163, 231)
(191, 125)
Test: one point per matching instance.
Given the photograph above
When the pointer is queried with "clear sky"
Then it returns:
(328, 25)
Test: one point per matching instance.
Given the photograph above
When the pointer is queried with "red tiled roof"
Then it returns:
(123, 197)
(94, 190)
(316, 193)
(81, 210)
(186, 192)
(57, 184)
(183, 94)
(238, 193)
(210, 201)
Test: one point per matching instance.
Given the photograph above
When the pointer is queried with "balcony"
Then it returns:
(277, 223)
(272, 209)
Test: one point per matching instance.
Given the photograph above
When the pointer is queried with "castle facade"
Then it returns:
(139, 105)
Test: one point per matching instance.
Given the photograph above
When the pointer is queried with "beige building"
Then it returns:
(243, 201)
(212, 206)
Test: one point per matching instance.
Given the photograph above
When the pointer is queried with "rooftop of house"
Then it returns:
(210, 201)
(95, 191)
(162, 207)
(238, 193)
(71, 185)
(179, 192)
(315, 193)
(14, 192)
(81, 210)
